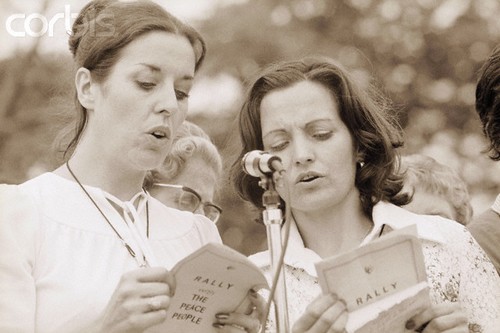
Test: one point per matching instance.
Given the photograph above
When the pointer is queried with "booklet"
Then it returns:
(211, 280)
(383, 283)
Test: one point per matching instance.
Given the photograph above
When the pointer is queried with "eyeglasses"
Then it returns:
(185, 198)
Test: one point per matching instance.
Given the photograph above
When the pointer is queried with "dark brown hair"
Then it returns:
(488, 101)
(374, 130)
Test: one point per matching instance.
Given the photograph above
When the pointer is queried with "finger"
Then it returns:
(314, 311)
(245, 306)
(239, 320)
(152, 274)
(158, 275)
(340, 323)
(259, 304)
(139, 322)
(155, 304)
(226, 328)
(454, 321)
(430, 313)
(332, 320)
(456, 330)
(152, 289)
(171, 282)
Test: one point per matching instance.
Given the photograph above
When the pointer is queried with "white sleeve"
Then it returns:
(18, 229)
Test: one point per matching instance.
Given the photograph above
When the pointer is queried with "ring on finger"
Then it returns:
(154, 304)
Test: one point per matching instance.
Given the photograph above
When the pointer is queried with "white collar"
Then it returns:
(297, 255)
(133, 231)
(140, 198)
(384, 213)
(396, 218)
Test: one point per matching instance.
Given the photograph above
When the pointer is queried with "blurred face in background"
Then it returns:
(197, 177)
(426, 203)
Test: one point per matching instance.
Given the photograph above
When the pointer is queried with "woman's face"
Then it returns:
(143, 101)
(301, 125)
(196, 175)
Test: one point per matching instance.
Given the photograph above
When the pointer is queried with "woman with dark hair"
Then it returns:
(84, 248)
(337, 143)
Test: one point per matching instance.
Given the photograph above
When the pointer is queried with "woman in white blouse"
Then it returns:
(84, 248)
(337, 145)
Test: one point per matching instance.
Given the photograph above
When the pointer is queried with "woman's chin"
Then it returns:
(146, 160)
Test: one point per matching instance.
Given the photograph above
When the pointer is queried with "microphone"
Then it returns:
(259, 163)
(268, 167)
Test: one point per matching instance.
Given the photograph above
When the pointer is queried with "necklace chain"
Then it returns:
(129, 249)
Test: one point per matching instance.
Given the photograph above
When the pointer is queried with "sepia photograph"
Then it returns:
(228, 166)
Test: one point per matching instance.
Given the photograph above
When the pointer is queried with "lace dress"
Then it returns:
(457, 268)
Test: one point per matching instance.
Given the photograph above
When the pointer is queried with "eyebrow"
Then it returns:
(312, 122)
(273, 132)
(152, 68)
(306, 126)
(156, 69)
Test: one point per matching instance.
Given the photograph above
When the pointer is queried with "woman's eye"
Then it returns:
(279, 146)
(181, 95)
(322, 135)
(146, 85)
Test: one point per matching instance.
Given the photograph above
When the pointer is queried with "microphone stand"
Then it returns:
(272, 219)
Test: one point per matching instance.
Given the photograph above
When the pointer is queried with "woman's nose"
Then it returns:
(167, 102)
(302, 152)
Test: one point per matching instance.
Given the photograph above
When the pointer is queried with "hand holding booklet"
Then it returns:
(214, 279)
(383, 283)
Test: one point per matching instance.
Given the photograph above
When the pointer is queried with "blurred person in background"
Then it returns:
(337, 144)
(75, 250)
(188, 178)
(486, 227)
(435, 189)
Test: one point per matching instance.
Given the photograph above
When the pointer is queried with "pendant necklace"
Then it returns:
(129, 249)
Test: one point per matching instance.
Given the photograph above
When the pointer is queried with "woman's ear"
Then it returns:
(360, 157)
(84, 91)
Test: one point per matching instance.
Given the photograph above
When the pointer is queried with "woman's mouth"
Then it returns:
(307, 177)
(160, 132)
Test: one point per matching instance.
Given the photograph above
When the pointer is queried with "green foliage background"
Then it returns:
(424, 54)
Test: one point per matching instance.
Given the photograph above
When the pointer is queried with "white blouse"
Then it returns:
(60, 261)
(457, 268)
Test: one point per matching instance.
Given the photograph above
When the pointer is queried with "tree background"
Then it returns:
(424, 54)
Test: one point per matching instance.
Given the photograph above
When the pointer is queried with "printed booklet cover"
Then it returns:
(213, 279)
(383, 283)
